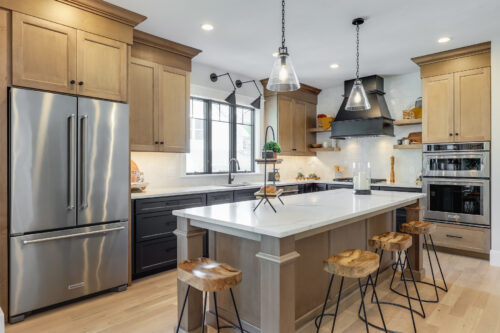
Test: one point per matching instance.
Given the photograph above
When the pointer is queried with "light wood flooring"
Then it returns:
(149, 305)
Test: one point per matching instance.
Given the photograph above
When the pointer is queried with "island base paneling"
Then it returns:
(302, 258)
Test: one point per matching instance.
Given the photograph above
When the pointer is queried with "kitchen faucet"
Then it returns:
(230, 178)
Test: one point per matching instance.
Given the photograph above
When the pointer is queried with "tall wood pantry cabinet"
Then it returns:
(159, 91)
(54, 57)
(292, 115)
(456, 95)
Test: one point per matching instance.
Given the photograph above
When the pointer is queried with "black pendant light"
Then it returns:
(256, 103)
(358, 101)
(231, 99)
(283, 76)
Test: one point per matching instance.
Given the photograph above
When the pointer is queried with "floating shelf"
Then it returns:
(276, 194)
(324, 149)
(413, 146)
(262, 161)
(406, 122)
(318, 130)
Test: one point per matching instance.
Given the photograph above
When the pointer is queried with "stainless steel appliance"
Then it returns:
(457, 182)
(68, 188)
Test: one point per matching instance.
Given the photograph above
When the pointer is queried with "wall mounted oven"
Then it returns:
(457, 182)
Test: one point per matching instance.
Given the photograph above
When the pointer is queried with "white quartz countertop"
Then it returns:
(300, 213)
(171, 191)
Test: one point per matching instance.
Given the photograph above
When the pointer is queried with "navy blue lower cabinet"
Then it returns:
(216, 198)
(319, 187)
(245, 195)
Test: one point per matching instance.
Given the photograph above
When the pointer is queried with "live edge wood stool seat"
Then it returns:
(351, 264)
(399, 243)
(209, 276)
(426, 229)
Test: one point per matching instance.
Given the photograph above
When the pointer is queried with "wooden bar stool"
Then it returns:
(399, 243)
(209, 276)
(352, 264)
(426, 229)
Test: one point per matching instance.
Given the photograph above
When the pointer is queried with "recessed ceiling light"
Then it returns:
(275, 54)
(334, 66)
(207, 27)
(444, 40)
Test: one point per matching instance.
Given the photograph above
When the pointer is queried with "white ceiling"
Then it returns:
(319, 32)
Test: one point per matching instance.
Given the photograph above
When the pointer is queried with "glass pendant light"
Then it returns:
(358, 101)
(283, 76)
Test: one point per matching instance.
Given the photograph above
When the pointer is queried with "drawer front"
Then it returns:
(337, 186)
(244, 195)
(154, 225)
(169, 203)
(320, 187)
(219, 198)
(154, 254)
(399, 189)
(462, 237)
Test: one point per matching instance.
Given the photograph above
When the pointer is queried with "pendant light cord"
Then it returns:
(357, 51)
(283, 24)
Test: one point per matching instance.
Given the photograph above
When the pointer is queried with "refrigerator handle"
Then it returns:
(81, 234)
(83, 161)
(71, 161)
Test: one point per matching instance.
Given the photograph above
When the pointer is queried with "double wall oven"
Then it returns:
(457, 182)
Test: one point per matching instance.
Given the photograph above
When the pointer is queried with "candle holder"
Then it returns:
(362, 178)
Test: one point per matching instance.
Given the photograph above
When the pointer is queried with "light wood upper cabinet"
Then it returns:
(43, 54)
(102, 67)
(143, 101)
(437, 99)
(473, 105)
(285, 123)
(174, 93)
(299, 129)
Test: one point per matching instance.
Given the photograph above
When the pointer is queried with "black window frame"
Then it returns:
(207, 153)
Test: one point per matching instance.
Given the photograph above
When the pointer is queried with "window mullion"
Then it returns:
(208, 137)
(232, 137)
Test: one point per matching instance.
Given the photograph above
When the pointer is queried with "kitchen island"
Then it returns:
(281, 254)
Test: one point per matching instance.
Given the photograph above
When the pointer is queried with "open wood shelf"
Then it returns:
(318, 130)
(324, 149)
(269, 161)
(413, 146)
(406, 122)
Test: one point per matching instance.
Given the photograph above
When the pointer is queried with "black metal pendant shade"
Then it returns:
(256, 102)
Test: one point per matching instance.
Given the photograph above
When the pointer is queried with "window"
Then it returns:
(219, 132)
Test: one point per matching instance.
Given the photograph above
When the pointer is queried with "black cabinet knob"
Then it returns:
(156, 142)
(456, 134)
(72, 81)
(161, 142)
(451, 134)
(80, 83)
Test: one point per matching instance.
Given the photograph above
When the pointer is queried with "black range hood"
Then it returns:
(374, 122)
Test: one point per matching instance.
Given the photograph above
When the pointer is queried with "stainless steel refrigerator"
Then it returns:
(68, 185)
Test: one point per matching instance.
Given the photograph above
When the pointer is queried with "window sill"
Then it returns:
(246, 174)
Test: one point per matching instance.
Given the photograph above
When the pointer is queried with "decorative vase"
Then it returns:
(269, 154)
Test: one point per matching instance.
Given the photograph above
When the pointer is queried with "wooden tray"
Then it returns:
(276, 194)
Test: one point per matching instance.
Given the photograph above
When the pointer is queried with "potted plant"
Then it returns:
(313, 176)
(300, 176)
(271, 150)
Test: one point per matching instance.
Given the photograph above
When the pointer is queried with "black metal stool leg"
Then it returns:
(407, 293)
(182, 310)
(338, 303)
(216, 312)
(378, 304)
(204, 312)
(376, 277)
(414, 283)
(432, 269)
(394, 269)
(324, 305)
(439, 265)
(236, 310)
(362, 305)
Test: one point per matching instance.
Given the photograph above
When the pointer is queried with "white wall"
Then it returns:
(401, 93)
(495, 151)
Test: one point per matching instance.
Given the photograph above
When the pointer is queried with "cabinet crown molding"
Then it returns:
(453, 54)
(303, 87)
(142, 37)
(107, 10)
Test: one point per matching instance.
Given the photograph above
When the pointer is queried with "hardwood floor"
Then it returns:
(149, 305)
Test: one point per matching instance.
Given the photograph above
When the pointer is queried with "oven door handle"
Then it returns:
(453, 236)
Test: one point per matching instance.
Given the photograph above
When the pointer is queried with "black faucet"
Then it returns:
(231, 178)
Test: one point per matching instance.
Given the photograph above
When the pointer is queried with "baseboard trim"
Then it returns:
(495, 258)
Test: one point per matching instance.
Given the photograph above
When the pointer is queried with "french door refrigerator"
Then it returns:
(68, 186)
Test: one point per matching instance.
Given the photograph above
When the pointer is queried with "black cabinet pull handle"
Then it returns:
(80, 83)
(453, 236)
(72, 81)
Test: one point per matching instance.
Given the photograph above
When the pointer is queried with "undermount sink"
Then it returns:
(236, 185)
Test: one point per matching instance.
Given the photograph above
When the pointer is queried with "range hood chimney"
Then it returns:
(374, 122)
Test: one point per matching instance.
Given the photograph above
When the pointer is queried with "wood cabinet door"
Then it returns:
(310, 123)
(102, 67)
(437, 99)
(473, 105)
(43, 54)
(299, 128)
(174, 110)
(143, 101)
(285, 119)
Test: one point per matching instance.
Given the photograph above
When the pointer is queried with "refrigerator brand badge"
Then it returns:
(76, 285)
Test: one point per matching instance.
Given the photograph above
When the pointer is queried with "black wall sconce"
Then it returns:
(231, 99)
(256, 103)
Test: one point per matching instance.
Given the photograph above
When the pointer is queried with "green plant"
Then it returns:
(273, 146)
(312, 175)
(300, 175)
